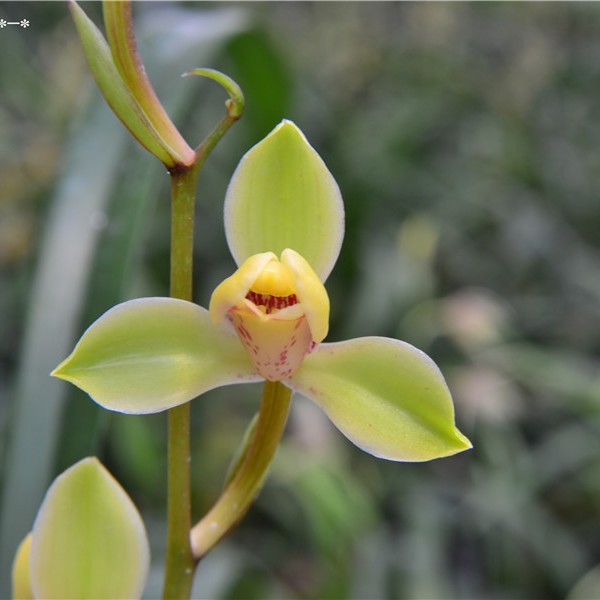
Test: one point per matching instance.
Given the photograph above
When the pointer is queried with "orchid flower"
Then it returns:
(284, 222)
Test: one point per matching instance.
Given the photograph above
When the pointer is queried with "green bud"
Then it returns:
(88, 539)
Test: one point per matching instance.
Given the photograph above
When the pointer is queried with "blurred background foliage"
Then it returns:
(465, 139)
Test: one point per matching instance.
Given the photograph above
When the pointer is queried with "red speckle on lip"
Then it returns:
(271, 303)
(284, 344)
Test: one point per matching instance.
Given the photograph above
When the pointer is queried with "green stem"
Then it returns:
(180, 561)
(211, 140)
(249, 474)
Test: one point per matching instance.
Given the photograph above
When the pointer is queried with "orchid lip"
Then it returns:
(276, 346)
(295, 311)
(274, 289)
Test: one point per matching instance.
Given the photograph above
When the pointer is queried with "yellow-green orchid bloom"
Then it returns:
(284, 222)
(279, 308)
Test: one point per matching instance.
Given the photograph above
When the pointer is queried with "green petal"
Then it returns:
(151, 354)
(21, 578)
(88, 539)
(118, 96)
(386, 396)
(282, 196)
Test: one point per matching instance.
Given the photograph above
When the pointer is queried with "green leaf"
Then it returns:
(88, 539)
(150, 354)
(117, 94)
(386, 396)
(283, 196)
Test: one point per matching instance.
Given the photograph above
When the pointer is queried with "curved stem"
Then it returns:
(249, 474)
(211, 140)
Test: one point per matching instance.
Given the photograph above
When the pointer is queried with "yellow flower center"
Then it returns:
(274, 288)
(275, 279)
(279, 309)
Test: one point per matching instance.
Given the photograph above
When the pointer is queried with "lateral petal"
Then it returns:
(150, 354)
(387, 397)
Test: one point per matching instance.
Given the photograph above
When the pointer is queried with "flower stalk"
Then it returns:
(247, 479)
(180, 563)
